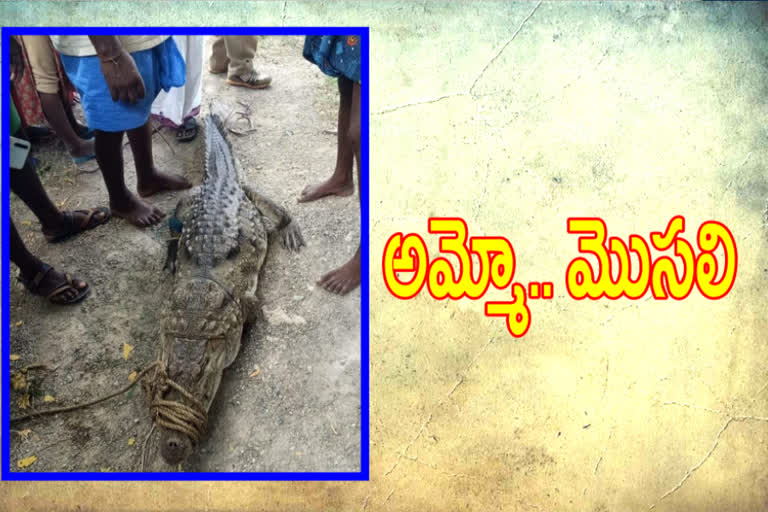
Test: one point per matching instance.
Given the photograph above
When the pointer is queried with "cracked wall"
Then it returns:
(515, 117)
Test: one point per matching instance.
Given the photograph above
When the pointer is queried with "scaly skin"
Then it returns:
(216, 261)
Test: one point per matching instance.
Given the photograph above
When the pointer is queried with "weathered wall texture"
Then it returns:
(632, 112)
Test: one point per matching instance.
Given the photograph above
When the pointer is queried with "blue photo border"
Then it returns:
(363, 474)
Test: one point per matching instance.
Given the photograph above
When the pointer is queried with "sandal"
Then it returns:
(57, 289)
(37, 134)
(187, 131)
(73, 228)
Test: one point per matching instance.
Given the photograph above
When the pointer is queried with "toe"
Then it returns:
(337, 286)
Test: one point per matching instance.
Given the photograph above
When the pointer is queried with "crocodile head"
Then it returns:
(201, 338)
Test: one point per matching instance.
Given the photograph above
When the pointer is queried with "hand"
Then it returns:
(17, 60)
(122, 76)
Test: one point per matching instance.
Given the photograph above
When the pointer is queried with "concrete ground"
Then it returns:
(301, 411)
(516, 117)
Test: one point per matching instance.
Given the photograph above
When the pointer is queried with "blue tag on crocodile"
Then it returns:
(175, 224)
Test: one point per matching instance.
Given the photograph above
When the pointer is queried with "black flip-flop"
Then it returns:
(187, 131)
(73, 228)
(38, 133)
(57, 289)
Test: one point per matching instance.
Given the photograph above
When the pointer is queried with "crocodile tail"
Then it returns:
(217, 121)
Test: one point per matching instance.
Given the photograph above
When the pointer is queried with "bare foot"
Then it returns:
(162, 182)
(137, 212)
(329, 187)
(345, 278)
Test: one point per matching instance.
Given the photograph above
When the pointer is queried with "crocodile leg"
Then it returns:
(252, 232)
(171, 254)
(276, 219)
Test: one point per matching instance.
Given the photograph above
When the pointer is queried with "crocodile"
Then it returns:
(220, 235)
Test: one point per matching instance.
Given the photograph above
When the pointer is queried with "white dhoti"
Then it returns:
(173, 107)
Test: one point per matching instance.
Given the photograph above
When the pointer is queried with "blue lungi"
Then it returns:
(161, 68)
(335, 55)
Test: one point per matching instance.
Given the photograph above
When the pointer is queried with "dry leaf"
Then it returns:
(127, 349)
(18, 381)
(23, 401)
(24, 434)
(132, 376)
(255, 372)
(27, 222)
(131, 441)
(19, 323)
(49, 398)
(23, 463)
(15, 357)
(105, 470)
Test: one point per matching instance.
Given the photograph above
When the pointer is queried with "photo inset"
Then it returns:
(186, 236)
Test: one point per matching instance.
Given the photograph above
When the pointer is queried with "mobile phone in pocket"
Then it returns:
(19, 152)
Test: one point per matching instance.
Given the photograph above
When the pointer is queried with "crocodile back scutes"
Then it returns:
(211, 231)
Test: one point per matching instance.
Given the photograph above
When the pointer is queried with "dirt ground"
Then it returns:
(301, 411)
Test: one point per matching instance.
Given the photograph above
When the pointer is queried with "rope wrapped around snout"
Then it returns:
(189, 418)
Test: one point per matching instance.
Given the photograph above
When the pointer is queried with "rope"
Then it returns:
(57, 410)
(144, 447)
(190, 420)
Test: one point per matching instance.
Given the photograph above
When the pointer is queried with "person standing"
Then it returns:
(234, 55)
(46, 94)
(39, 277)
(178, 107)
(118, 79)
(340, 57)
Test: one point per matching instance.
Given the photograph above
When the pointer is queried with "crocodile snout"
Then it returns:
(175, 447)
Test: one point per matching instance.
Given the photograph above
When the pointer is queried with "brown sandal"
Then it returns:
(55, 290)
(73, 228)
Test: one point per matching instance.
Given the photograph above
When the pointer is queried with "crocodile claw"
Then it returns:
(292, 239)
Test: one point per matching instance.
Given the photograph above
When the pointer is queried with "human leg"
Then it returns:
(109, 154)
(341, 182)
(148, 179)
(42, 63)
(241, 51)
(347, 277)
(218, 63)
(42, 279)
